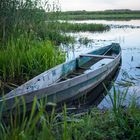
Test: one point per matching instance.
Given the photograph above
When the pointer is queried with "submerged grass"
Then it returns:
(118, 123)
(85, 40)
(22, 59)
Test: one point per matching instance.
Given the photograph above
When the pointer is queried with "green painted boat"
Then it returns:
(69, 80)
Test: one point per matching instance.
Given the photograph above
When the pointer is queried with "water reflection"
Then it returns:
(129, 75)
(110, 22)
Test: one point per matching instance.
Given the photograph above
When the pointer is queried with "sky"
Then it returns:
(93, 5)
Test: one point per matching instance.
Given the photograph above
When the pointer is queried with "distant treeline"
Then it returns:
(107, 14)
(123, 11)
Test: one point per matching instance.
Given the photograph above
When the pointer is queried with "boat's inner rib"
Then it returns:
(97, 56)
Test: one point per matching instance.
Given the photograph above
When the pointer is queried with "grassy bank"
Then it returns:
(115, 124)
(76, 27)
(22, 59)
(109, 15)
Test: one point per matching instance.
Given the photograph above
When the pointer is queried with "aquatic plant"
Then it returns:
(57, 37)
(76, 27)
(84, 41)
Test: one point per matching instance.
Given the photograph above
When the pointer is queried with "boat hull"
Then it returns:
(70, 89)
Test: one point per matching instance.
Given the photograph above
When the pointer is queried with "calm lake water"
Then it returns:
(128, 36)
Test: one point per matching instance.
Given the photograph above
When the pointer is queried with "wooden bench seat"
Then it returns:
(97, 56)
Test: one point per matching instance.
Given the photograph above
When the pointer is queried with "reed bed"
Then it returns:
(76, 27)
(55, 35)
(23, 58)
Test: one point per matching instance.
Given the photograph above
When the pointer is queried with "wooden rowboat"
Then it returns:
(69, 80)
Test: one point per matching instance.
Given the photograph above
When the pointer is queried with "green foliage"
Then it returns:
(57, 38)
(29, 17)
(20, 16)
(117, 99)
(76, 27)
(26, 42)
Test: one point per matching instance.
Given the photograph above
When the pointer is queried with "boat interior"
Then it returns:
(92, 61)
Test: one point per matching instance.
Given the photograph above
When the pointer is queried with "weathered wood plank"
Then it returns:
(108, 50)
(97, 56)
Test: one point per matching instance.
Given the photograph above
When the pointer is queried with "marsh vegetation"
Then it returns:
(107, 14)
(77, 27)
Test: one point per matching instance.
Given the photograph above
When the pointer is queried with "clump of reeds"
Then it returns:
(76, 27)
(23, 58)
(85, 41)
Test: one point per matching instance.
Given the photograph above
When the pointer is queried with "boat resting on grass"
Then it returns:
(69, 80)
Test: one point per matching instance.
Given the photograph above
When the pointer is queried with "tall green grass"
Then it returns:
(20, 16)
(55, 35)
(29, 17)
(22, 59)
(116, 123)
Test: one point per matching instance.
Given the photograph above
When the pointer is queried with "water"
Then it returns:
(129, 39)
(110, 22)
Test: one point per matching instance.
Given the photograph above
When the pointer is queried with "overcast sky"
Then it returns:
(92, 5)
